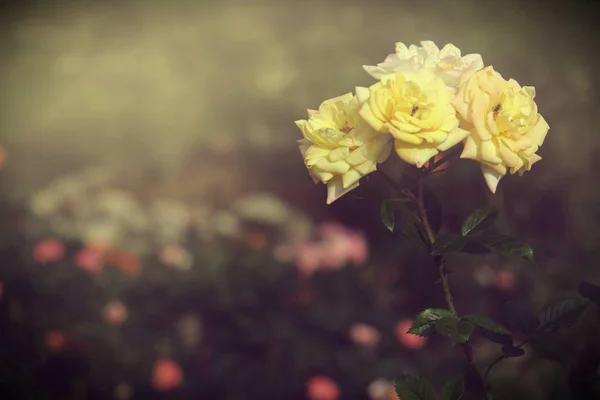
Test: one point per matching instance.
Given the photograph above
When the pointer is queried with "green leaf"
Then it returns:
(520, 317)
(459, 331)
(388, 215)
(546, 347)
(464, 330)
(446, 325)
(473, 246)
(486, 323)
(410, 387)
(507, 245)
(448, 244)
(500, 338)
(511, 351)
(454, 389)
(423, 325)
(479, 221)
(590, 291)
(561, 313)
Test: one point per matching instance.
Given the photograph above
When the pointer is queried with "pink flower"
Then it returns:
(322, 388)
(166, 375)
(308, 257)
(90, 259)
(343, 246)
(408, 340)
(173, 255)
(115, 312)
(55, 340)
(48, 250)
(365, 335)
(2, 156)
(505, 280)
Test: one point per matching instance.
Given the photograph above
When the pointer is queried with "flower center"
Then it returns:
(414, 110)
(346, 129)
(496, 110)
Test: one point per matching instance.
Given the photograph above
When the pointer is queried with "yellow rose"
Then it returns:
(338, 147)
(416, 108)
(506, 129)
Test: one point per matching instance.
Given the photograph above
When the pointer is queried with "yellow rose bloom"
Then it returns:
(338, 147)
(506, 129)
(415, 107)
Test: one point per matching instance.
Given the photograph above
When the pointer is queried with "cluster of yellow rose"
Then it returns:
(427, 100)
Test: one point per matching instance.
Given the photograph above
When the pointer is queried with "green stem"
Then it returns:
(499, 359)
(439, 261)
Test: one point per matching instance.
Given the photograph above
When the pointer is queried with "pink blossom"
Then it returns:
(48, 250)
(344, 245)
(90, 259)
(322, 388)
(2, 157)
(365, 335)
(55, 340)
(408, 340)
(115, 312)
(176, 256)
(309, 257)
(166, 375)
(505, 280)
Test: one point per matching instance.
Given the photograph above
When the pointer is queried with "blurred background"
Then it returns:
(161, 238)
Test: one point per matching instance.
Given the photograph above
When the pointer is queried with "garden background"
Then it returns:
(160, 236)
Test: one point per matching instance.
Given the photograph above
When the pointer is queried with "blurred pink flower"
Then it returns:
(505, 280)
(338, 246)
(381, 389)
(343, 245)
(90, 259)
(408, 340)
(174, 255)
(54, 340)
(115, 312)
(48, 250)
(322, 388)
(364, 335)
(2, 157)
(309, 256)
(166, 375)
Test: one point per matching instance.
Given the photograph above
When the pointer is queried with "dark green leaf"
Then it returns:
(448, 244)
(446, 326)
(388, 216)
(484, 322)
(410, 387)
(479, 221)
(520, 317)
(459, 331)
(561, 313)
(454, 389)
(495, 337)
(473, 246)
(546, 347)
(507, 245)
(590, 291)
(512, 351)
(464, 330)
(423, 325)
